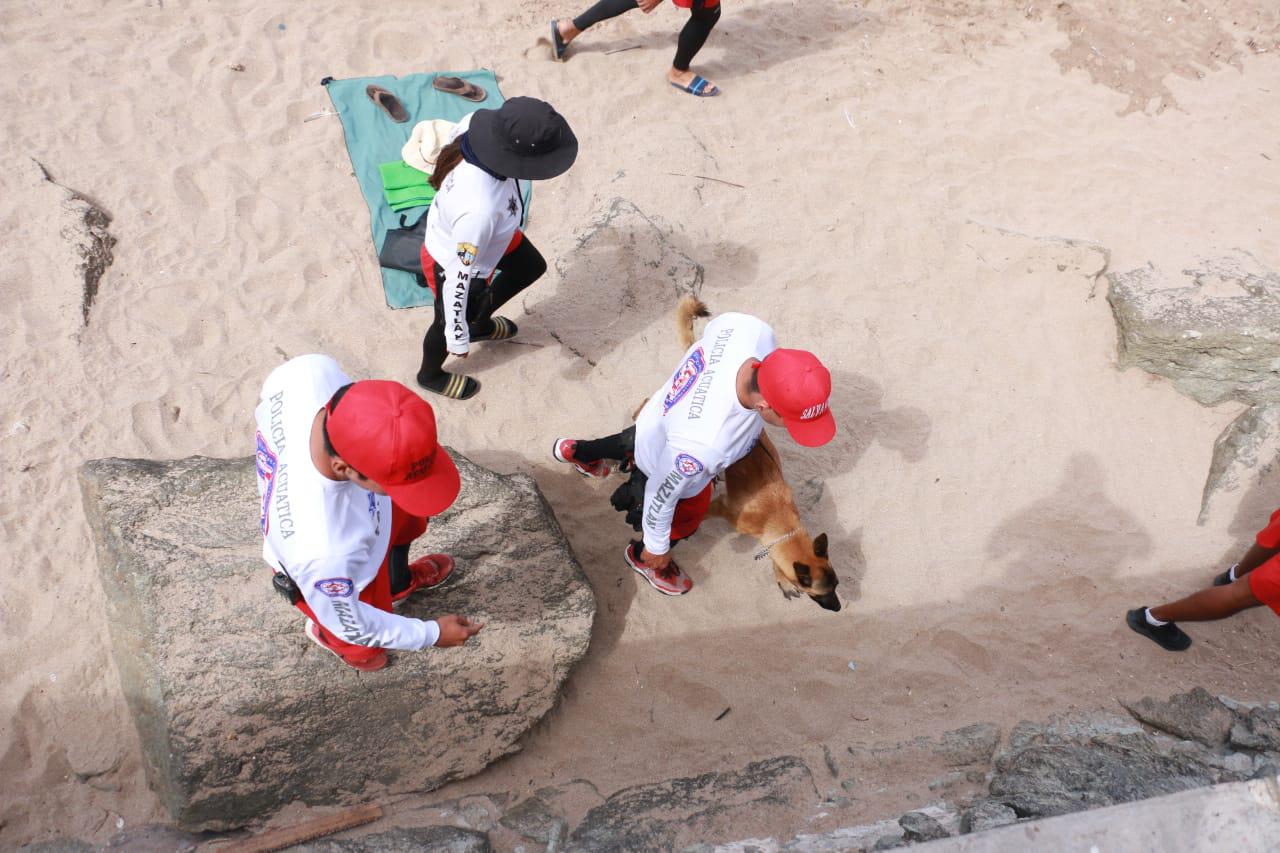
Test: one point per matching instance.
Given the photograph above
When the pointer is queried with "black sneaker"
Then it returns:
(1168, 636)
(1223, 579)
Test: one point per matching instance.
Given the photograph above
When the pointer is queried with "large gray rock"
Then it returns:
(663, 815)
(986, 814)
(1259, 729)
(1194, 716)
(239, 714)
(438, 839)
(973, 744)
(1057, 778)
(918, 826)
(1245, 452)
(1215, 332)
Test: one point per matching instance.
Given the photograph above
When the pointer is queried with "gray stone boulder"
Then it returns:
(438, 839)
(986, 814)
(918, 826)
(1258, 729)
(1194, 716)
(1215, 332)
(1058, 773)
(666, 815)
(239, 714)
(1245, 452)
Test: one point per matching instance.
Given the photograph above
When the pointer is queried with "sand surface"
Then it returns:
(929, 195)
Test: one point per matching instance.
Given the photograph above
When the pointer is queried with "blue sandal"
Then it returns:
(699, 87)
(558, 46)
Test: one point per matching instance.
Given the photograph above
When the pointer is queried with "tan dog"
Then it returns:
(757, 501)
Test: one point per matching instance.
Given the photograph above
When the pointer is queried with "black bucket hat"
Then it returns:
(524, 138)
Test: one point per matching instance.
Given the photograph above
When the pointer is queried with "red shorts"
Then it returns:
(404, 529)
(689, 514)
(688, 4)
(429, 263)
(1264, 583)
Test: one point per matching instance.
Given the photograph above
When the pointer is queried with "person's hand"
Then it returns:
(648, 6)
(456, 630)
(657, 562)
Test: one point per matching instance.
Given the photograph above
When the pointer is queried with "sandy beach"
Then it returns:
(927, 195)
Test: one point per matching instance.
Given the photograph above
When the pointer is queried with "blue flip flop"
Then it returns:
(558, 47)
(699, 87)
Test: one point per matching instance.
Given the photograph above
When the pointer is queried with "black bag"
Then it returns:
(402, 248)
(629, 498)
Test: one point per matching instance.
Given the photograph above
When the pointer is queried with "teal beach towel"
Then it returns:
(373, 139)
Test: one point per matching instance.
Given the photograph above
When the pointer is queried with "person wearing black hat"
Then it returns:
(475, 258)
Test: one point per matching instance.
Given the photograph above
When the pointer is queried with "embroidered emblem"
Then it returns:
(267, 464)
(684, 379)
(336, 587)
(375, 513)
(467, 253)
(688, 465)
(511, 206)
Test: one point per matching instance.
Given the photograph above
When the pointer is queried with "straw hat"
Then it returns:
(425, 142)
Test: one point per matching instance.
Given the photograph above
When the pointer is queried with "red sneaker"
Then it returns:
(367, 663)
(563, 449)
(670, 581)
(425, 573)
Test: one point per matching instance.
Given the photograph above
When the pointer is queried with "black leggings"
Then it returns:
(517, 270)
(694, 35)
(618, 446)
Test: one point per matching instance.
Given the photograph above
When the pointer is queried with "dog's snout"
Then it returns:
(830, 601)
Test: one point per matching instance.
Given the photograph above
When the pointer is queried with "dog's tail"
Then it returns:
(690, 308)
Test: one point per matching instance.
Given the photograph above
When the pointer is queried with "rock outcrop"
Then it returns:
(664, 815)
(1216, 334)
(239, 714)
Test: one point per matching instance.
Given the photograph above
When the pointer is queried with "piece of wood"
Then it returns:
(280, 839)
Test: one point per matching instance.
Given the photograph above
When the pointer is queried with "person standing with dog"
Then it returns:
(707, 416)
(348, 474)
(475, 258)
(703, 17)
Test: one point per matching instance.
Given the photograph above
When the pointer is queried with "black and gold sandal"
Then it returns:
(503, 330)
(455, 386)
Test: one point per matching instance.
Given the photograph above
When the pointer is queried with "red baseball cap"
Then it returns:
(388, 433)
(796, 386)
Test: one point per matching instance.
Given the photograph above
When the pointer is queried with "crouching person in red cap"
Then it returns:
(348, 474)
(707, 416)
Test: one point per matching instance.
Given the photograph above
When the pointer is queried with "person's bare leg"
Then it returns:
(567, 30)
(1207, 605)
(1254, 557)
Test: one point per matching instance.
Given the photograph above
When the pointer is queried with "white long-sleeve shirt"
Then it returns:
(329, 536)
(469, 225)
(694, 426)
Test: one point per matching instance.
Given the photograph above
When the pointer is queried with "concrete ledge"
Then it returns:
(1242, 817)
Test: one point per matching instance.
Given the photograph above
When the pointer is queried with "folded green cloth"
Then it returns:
(405, 186)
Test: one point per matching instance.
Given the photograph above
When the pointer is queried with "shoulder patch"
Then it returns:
(688, 465)
(684, 378)
(467, 253)
(267, 463)
(336, 587)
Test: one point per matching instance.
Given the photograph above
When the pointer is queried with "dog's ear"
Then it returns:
(820, 545)
(803, 575)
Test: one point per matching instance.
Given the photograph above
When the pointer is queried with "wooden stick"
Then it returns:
(707, 178)
(279, 839)
(621, 49)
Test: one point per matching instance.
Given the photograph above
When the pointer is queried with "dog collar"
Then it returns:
(764, 552)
